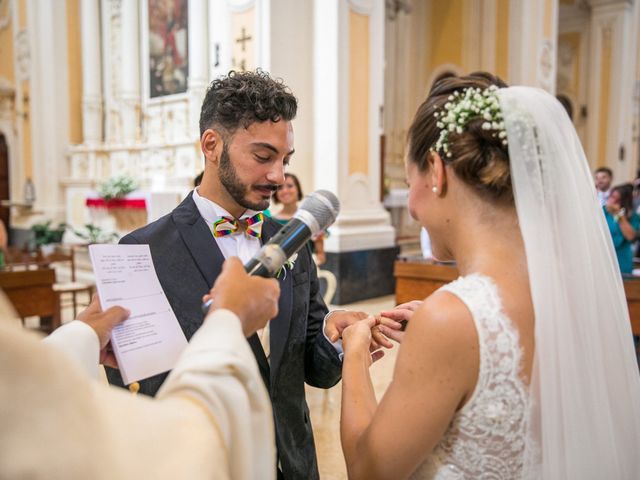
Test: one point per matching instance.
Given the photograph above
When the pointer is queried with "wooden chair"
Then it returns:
(31, 293)
(331, 284)
(66, 254)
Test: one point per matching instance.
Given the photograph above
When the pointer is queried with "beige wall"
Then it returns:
(6, 53)
(502, 40)
(75, 71)
(444, 31)
(358, 93)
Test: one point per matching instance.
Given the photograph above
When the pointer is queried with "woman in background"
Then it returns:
(623, 224)
(289, 194)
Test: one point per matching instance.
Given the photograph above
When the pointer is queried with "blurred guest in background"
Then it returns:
(623, 224)
(604, 177)
(289, 194)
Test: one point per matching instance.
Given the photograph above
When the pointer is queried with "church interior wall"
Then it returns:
(502, 39)
(7, 70)
(359, 114)
(293, 61)
(156, 139)
(74, 71)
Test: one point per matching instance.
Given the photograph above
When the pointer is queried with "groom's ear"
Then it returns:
(437, 171)
(211, 143)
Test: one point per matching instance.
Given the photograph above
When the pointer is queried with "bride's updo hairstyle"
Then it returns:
(479, 156)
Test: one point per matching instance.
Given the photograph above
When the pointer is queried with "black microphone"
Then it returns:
(316, 212)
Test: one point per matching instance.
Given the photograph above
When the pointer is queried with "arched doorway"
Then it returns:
(4, 180)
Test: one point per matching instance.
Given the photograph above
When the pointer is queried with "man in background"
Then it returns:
(604, 177)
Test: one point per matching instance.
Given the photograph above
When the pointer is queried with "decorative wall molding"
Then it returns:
(23, 54)
(363, 7)
(239, 6)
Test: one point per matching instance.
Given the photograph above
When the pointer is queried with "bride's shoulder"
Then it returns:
(441, 343)
(445, 312)
(445, 322)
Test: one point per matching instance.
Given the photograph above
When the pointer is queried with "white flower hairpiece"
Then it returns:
(464, 106)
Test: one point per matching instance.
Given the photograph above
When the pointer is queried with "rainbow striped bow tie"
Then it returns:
(252, 226)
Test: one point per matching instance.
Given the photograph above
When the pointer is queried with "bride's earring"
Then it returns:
(435, 190)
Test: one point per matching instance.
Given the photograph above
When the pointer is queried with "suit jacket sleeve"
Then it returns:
(323, 368)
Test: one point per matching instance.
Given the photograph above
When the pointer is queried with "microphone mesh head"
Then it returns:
(323, 206)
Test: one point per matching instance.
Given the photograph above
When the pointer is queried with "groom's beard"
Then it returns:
(235, 187)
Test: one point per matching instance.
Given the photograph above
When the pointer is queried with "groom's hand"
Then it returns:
(338, 321)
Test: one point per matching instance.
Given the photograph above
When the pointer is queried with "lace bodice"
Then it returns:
(486, 438)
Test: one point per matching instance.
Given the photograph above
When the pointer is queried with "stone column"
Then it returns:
(49, 104)
(91, 72)
(612, 73)
(348, 97)
(533, 43)
(129, 91)
(198, 60)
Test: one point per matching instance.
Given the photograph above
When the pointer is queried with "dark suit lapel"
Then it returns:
(208, 258)
(199, 240)
(258, 352)
(279, 333)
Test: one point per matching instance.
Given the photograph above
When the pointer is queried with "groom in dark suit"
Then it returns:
(247, 141)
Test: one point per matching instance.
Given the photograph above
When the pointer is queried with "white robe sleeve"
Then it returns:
(212, 418)
(80, 343)
(219, 370)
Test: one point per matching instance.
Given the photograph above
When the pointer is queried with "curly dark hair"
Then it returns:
(242, 98)
(478, 157)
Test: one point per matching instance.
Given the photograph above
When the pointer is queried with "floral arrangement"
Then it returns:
(464, 106)
(117, 187)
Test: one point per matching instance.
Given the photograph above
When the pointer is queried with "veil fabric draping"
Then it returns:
(585, 385)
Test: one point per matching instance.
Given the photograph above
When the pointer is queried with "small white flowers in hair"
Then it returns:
(464, 106)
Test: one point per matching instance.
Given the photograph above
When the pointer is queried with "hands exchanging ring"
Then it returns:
(361, 332)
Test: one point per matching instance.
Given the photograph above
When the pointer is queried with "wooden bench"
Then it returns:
(416, 280)
(31, 294)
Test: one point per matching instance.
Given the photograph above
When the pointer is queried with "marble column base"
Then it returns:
(362, 274)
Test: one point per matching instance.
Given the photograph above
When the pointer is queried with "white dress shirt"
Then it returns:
(245, 247)
(236, 245)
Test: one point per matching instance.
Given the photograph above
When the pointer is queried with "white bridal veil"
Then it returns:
(585, 384)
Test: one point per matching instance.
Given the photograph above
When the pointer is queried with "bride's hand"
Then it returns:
(392, 323)
(356, 339)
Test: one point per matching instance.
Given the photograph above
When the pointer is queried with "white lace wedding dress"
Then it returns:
(486, 438)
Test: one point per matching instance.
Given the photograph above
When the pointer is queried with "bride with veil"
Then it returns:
(524, 366)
